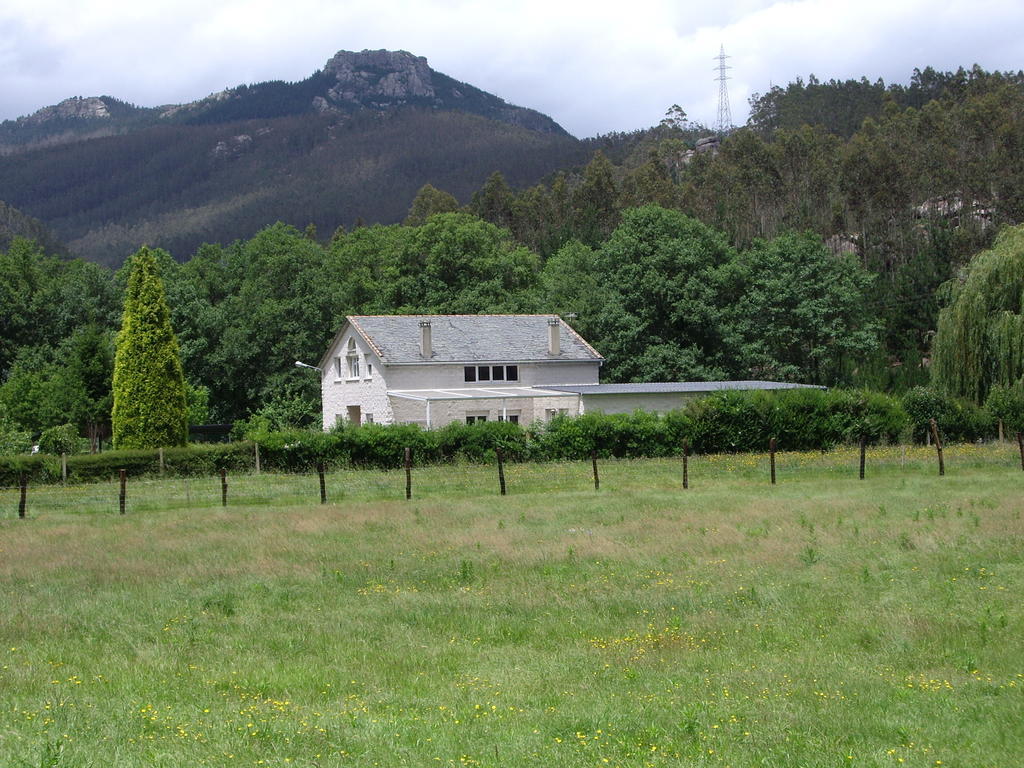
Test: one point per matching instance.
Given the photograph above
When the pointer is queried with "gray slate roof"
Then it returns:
(676, 386)
(470, 338)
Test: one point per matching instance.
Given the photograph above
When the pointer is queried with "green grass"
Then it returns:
(825, 621)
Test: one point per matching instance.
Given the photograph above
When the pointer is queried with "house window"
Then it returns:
(473, 418)
(368, 418)
(337, 367)
(491, 373)
(353, 360)
(369, 370)
(550, 413)
(510, 416)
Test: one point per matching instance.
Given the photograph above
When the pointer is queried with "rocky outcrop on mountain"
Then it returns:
(74, 119)
(388, 79)
(379, 76)
(176, 110)
(234, 147)
(90, 108)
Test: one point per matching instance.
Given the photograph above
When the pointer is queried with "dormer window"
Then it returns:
(353, 359)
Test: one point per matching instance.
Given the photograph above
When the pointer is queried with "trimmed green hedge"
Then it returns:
(196, 459)
(801, 419)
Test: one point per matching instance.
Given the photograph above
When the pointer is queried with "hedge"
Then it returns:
(195, 459)
(957, 420)
(801, 419)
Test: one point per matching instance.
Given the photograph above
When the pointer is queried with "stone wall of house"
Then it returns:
(339, 391)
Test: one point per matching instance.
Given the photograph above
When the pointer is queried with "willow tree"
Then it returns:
(150, 408)
(979, 339)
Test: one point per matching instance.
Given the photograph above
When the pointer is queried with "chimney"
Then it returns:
(426, 348)
(554, 337)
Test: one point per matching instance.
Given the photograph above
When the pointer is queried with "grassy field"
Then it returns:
(825, 621)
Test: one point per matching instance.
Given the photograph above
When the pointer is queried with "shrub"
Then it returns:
(300, 450)
(800, 419)
(477, 442)
(957, 420)
(1007, 404)
(62, 439)
(13, 439)
(383, 446)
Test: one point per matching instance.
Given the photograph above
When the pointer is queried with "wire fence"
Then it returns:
(460, 481)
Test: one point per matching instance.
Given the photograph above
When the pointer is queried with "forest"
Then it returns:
(816, 244)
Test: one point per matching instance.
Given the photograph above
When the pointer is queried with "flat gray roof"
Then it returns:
(682, 387)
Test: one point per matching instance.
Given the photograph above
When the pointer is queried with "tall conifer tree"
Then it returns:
(150, 408)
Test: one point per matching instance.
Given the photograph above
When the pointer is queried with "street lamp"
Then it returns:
(300, 364)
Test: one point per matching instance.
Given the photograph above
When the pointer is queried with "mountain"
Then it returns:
(352, 142)
(14, 223)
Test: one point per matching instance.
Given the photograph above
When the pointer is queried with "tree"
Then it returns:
(802, 313)
(150, 408)
(979, 339)
(428, 201)
(282, 306)
(90, 367)
(493, 202)
(663, 317)
(594, 201)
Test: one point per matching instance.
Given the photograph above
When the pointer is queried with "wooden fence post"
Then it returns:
(771, 451)
(1002, 434)
(123, 476)
(686, 464)
(323, 483)
(938, 445)
(23, 483)
(863, 447)
(597, 480)
(223, 487)
(408, 473)
(63, 467)
(1020, 445)
(501, 470)
(160, 451)
(257, 446)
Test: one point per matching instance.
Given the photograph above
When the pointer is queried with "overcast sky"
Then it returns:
(594, 66)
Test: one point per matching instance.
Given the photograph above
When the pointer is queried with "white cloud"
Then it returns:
(593, 66)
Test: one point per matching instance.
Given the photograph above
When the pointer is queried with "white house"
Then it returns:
(435, 369)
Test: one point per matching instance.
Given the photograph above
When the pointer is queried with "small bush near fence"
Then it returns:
(802, 419)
